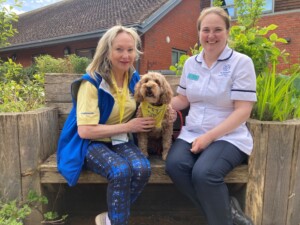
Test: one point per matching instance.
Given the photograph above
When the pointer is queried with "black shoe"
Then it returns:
(238, 216)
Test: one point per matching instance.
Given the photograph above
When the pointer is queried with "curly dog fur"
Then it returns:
(155, 89)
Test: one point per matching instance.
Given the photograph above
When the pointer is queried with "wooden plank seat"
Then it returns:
(57, 92)
(49, 173)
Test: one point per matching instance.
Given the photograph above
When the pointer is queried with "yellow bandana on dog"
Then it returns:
(157, 112)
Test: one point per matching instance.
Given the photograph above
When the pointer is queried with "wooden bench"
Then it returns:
(57, 91)
(49, 173)
(57, 88)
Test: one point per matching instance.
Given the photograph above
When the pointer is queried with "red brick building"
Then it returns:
(74, 26)
(167, 28)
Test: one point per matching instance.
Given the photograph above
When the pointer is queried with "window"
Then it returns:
(229, 6)
(176, 55)
(87, 52)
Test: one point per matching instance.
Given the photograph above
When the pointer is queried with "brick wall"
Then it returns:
(180, 26)
(288, 27)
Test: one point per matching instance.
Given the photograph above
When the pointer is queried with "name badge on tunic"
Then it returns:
(193, 76)
(119, 139)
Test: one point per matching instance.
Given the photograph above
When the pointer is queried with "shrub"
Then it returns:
(255, 43)
(79, 64)
(10, 71)
(69, 64)
(19, 93)
(47, 63)
(22, 89)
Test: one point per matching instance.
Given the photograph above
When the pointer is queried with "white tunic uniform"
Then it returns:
(211, 92)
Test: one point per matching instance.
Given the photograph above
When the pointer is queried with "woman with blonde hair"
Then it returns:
(104, 110)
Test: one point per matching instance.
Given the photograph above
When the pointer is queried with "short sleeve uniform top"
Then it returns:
(212, 91)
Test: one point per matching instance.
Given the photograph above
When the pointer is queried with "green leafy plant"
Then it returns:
(278, 96)
(7, 18)
(69, 64)
(177, 68)
(14, 212)
(19, 93)
(47, 63)
(22, 89)
(79, 64)
(258, 45)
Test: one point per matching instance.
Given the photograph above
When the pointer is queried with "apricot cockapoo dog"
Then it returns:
(154, 94)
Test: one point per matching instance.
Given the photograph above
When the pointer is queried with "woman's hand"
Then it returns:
(201, 143)
(242, 111)
(141, 124)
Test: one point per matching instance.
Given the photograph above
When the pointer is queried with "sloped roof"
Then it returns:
(71, 20)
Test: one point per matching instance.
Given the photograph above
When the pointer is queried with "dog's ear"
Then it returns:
(137, 94)
(167, 93)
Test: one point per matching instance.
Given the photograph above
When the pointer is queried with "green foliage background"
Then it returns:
(22, 89)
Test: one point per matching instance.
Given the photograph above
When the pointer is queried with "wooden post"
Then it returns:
(10, 177)
(27, 139)
(273, 167)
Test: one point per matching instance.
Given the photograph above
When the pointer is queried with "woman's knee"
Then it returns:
(171, 165)
(120, 172)
(206, 177)
(141, 169)
(178, 157)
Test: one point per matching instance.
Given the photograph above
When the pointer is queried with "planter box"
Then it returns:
(27, 139)
(274, 167)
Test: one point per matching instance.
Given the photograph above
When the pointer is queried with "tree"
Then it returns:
(7, 18)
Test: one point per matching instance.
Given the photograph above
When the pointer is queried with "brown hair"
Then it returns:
(216, 10)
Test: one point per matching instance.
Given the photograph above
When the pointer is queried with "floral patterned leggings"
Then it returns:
(127, 171)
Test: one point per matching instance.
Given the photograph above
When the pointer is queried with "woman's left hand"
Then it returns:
(201, 143)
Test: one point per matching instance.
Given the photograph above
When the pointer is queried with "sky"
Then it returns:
(28, 5)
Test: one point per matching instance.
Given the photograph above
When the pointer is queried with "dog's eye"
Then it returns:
(157, 81)
(146, 80)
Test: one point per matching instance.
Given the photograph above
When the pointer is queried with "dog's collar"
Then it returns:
(157, 112)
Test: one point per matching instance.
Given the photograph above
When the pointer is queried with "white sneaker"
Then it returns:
(101, 219)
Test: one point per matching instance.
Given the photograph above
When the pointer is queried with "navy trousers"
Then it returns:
(201, 176)
(127, 171)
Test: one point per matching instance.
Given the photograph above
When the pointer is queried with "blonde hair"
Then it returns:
(216, 10)
(101, 63)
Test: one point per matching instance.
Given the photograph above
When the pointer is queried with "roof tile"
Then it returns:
(70, 17)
